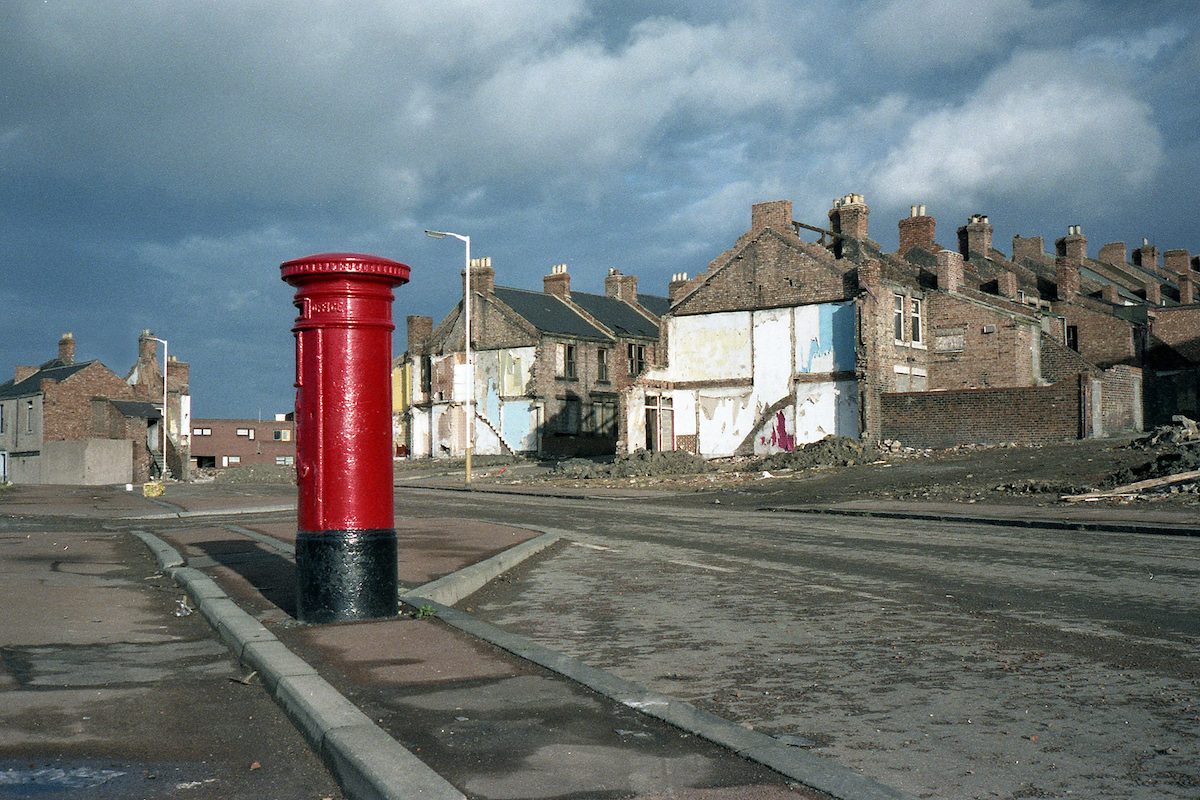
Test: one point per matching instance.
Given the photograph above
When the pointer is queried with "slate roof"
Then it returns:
(54, 370)
(136, 409)
(658, 306)
(617, 316)
(547, 313)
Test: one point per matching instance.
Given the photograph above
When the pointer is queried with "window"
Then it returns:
(201, 431)
(1073, 337)
(604, 417)
(227, 460)
(898, 317)
(916, 320)
(601, 366)
(284, 461)
(426, 375)
(29, 416)
(564, 361)
(247, 432)
(282, 436)
(1, 417)
(568, 416)
(570, 365)
(637, 358)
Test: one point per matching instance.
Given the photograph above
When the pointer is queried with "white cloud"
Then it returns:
(918, 35)
(1143, 46)
(1041, 126)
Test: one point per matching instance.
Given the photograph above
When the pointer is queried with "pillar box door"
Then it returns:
(346, 538)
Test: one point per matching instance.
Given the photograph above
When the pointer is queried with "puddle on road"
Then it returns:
(100, 779)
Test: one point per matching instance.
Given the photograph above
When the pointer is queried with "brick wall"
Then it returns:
(67, 407)
(972, 345)
(774, 270)
(1121, 399)
(224, 441)
(1060, 362)
(1179, 327)
(984, 416)
(1171, 392)
(1104, 340)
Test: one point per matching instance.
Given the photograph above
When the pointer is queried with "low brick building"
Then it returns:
(549, 367)
(68, 422)
(223, 443)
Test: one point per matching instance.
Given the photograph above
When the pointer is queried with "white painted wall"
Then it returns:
(768, 349)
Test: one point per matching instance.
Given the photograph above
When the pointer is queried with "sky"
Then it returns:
(158, 160)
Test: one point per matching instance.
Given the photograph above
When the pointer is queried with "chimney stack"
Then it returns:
(558, 282)
(1006, 284)
(1153, 293)
(1177, 261)
(483, 277)
(621, 287)
(849, 216)
(679, 281)
(66, 348)
(774, 214)
(975, 237)
(147, 346)
(1114, 253)
(917, 230)
(420, 332)
(22, 372)
(1187, 290)
(949, 270)
(1030, 247)
(1109, 294)
(1146, 256)
(1073, 246)
(1067, 278)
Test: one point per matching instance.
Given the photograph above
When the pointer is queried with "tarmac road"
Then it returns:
(946, 660)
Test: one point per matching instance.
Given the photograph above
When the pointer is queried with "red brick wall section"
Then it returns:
(1121, 399)
(1179, 326)
(984, 416)
(224, 441)
(1060, 362)
(971, 345)
(1104, 340)
(67, 408)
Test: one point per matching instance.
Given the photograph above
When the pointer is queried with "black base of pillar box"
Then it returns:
(346, 575)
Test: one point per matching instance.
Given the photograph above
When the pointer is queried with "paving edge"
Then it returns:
(368, 763)
(452, 588)
(211, 512)
(835, 780)
(1100, 526)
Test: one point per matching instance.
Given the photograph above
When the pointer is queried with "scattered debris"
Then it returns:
(832, 451)
(245, 679)
(642, 464)
(183, 608)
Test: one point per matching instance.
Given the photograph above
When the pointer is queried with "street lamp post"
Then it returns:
(166, 347)
(466, 240)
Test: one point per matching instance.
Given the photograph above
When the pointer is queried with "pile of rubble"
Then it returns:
(641, 464)
(1173, 467)
(832, 451)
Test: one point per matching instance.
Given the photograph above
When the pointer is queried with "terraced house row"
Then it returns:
(800, 331)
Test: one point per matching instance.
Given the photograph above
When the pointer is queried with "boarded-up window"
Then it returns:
(949, 340)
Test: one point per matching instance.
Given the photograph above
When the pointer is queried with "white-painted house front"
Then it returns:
(750, 381)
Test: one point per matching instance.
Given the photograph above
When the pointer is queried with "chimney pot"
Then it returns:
(558, 282)
(917, 230)
(975, 237)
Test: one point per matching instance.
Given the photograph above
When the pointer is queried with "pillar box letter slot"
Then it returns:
(346, 537)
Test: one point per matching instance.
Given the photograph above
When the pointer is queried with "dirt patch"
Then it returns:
(832, 451)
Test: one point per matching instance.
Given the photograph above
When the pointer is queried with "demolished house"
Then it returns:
(549, 367)
(782, 341)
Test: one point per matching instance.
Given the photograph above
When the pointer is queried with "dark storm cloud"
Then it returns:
(158, 160)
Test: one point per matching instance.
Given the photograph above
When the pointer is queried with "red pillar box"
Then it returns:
(346, 542)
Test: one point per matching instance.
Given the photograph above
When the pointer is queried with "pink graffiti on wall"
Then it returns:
(779, 436)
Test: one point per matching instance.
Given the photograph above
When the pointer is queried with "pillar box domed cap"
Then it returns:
(321, 264)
